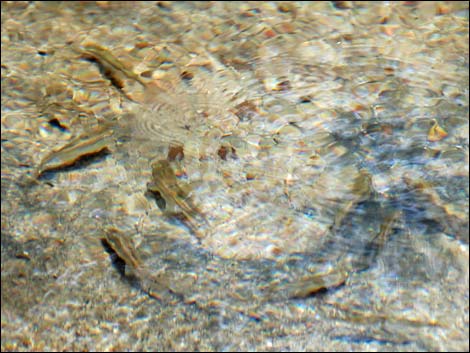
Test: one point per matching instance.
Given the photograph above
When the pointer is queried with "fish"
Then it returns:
(155, 283)
(124, 249)
(360, 191)
(436, 133)
(317, 282)
(86, 144)
(110, 63)
(164, 184)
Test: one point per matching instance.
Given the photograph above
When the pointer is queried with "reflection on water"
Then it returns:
(289, 170)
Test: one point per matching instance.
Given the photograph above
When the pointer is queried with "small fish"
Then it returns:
(316, 283)
(386, 229)
(436, 133)
(453, 218)
(83, 145)
(156, 284)
(110, 63)
(165, 184)
(360, 191)
(124, 248)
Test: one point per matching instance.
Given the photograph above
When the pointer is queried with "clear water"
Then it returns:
(325, 144)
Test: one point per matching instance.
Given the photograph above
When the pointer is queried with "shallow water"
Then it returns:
(325, 146)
